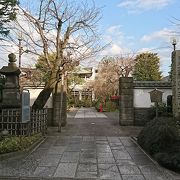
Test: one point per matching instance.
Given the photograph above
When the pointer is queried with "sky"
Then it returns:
(135, 26)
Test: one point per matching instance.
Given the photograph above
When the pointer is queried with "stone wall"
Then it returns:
(142, 116)
(135, 104)
(143, 111)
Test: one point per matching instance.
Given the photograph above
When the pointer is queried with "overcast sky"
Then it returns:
(134, 26)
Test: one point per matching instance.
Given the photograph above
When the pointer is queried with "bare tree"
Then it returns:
(124, 65)
(64, 28)
(110, 69)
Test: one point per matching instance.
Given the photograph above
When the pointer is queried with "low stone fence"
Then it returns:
(10, 121)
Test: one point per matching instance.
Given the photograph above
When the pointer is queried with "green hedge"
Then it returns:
(170, 160)
(160, 138)
(163, 110)
(12, 144)
(107, 106)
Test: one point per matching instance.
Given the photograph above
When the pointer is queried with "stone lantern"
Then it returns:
(11, 89)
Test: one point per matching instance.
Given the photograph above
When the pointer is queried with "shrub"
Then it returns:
(78, 103)
(169, 160)
(1, 137)
(11, 144)
(97, 104)
(160, 139)
(70, 102)
(162, 110)
(87, 102)
(158, 135)
(110, 106)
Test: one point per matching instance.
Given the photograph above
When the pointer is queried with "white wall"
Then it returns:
(34, 94)
(142, 97)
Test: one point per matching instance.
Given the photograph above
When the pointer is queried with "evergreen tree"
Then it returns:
(7, 14)
(147, 67)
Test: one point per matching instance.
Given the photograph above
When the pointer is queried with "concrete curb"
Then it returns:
(24, 152)
(45, 178)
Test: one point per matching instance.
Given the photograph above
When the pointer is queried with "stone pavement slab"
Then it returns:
(66, 170)
(71, 155)
(97, 161)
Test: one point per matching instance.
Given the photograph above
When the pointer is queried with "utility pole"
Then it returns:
(61, 80)
(20, 49)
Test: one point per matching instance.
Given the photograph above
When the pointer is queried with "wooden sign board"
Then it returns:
(156, 95)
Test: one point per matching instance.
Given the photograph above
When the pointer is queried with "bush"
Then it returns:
(1, 138)
(163, 110)
(70, 102)
(169, 160)
(11, 144)
(97, 103)
(160, 138)
(158, 135)
(87, 103)
(109, 106)
(78, 103)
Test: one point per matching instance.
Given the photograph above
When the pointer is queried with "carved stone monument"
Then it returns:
(176, 83)
(11, 90)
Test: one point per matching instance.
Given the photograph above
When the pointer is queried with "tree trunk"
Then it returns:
(44, 95)
(42, 98)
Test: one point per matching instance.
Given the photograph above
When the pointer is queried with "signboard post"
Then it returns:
(156, 97)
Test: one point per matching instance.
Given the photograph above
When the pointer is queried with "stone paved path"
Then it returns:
(87, 149)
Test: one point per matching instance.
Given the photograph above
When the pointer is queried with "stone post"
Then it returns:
(176, 83)
(126, 106)
(59, 106)
(11, 90)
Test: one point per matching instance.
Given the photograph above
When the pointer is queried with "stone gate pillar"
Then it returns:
(126, 105)
(176, 83)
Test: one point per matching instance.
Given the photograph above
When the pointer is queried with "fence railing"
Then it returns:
(38, 121)
(10, 120)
